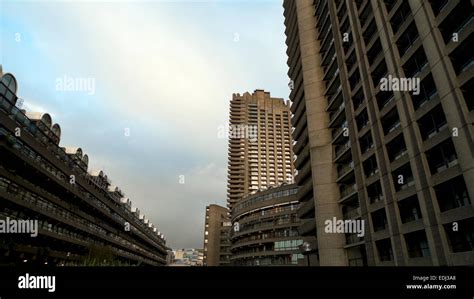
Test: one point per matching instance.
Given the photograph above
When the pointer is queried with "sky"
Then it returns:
(143, 87)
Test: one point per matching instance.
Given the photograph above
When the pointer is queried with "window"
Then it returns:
(370, 166)
(438, 5)
(362, 120)
(409, 209)
(416, 63)
(366, 142)
(379, 220)
(432, 123)
(463, 239)
(457, 20)
(408, 38)
(287, 245)
(391, 121)
(452, 194)
(384, 248)
(10, 82)
(417, 244)
(442, 157)
(396, 148)
(295, 257)
(427, 92)
(374, 192)
(403, 177)
(384, 98)
(400, 16)
(467, 91)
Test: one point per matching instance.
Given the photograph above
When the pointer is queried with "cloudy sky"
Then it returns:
(164, 71)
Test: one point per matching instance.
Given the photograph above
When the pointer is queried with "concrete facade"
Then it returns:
(399, 160)
(216, 239)
(82, 219)
(267, 233)
(260, 144)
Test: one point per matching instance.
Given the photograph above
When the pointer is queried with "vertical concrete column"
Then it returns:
(326, 194)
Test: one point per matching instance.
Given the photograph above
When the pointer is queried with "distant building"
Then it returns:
(216, 236)
(187, 257)
(170, 257)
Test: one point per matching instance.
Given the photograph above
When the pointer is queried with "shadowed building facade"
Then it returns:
(82, 219)
(216, 236)
(400, 160)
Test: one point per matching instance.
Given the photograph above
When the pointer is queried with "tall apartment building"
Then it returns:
(399, 159)
(81, 218)
(260, 144)
(216, 236)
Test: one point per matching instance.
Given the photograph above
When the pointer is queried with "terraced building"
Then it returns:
(82, 218)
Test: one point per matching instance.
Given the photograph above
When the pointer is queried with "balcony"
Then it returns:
(442, 157)
(400, 16)
(338, 132)
(303, 173)
(306, 208)
(351, 214)
(353, 239)
(336, 117)
(347, 192)
(438, 6)
(375, 51)
(302, 157)
(344, 170)
(432, 123)
(427, 93)
(341, 150)
(335, 99)
(459, 19)
(407, 39)
(393, 127)
(452, 194)
(307, 227)
(305, 191)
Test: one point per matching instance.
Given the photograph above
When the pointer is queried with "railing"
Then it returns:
(333, 115)
(342, 148)
(336, 131)
(352, 238)
(351, 214)
(394, 127)
(349, 190)
(343, 170)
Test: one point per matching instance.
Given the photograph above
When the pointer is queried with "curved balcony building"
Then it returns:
(265, 229)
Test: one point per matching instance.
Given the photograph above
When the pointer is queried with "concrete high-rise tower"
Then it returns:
(396, 155)
(260, 144)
